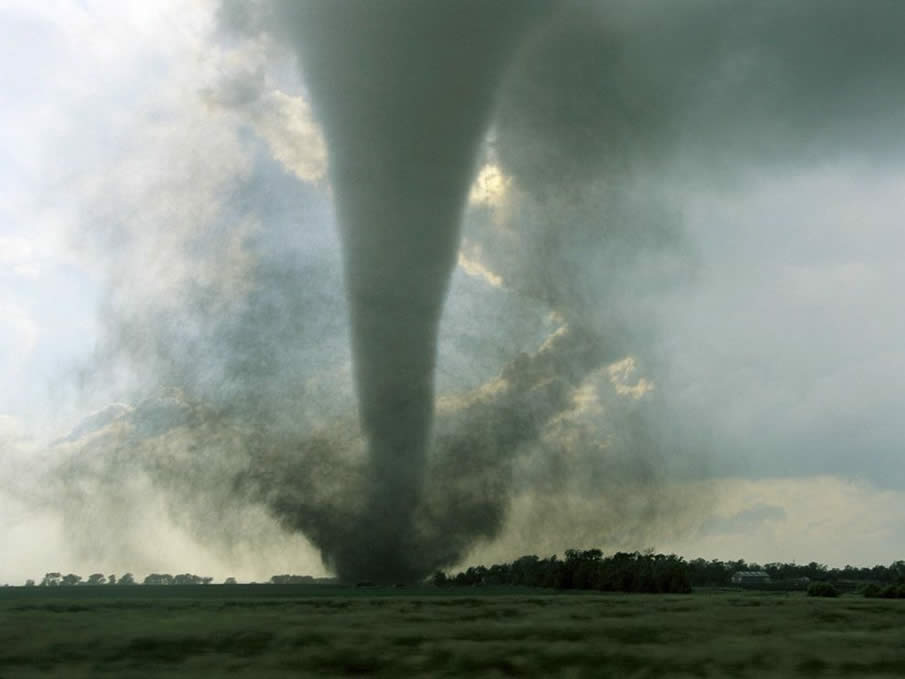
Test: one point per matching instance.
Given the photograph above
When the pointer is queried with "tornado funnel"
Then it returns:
(404, 90)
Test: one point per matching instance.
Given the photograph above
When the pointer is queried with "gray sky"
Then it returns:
(736, 233)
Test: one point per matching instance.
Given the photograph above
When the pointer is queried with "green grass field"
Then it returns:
(291, 631)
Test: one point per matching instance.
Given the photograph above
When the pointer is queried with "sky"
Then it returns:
(734, 237)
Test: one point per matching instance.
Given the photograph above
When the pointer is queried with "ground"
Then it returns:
(295, 631)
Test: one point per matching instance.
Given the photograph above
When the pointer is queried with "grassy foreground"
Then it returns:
(291, 631)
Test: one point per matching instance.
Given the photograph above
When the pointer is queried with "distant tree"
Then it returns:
(111, 579)
(822, 589)
(96, 579)
(229, 581)
(158, 579)
(526, 570)
(186, 579)
(897, 572)
(714, 573)
(893, 592)
(287, 579)
(439, 579)
(581, 569)
(872, 590)
(127, 579)
(475, 575)
(815, 571)
(498, 574)
(71, 579)
(51, 580)
(29, 583)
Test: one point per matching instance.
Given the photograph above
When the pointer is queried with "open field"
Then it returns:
(291, 631)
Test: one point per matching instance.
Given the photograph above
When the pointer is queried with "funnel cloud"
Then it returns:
(404, 92)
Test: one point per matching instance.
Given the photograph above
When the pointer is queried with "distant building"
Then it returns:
(750, 578)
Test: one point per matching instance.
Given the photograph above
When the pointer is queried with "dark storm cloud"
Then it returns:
(620, 119)
(613, 102)
(611, 87)
(606, 112)
(602, 102)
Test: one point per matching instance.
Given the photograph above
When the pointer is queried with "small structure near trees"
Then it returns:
(750, 578)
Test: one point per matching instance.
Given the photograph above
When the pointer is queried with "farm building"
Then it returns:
(750, 578)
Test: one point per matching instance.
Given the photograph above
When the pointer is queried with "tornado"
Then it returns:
(404, 90)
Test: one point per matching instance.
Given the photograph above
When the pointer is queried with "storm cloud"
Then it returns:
(680, 264)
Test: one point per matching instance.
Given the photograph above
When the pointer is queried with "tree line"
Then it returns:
(583, 569)
(588, 570)
(662, 573)
(716, 573)
(71, 579)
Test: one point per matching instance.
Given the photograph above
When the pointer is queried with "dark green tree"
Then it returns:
(51, 580)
